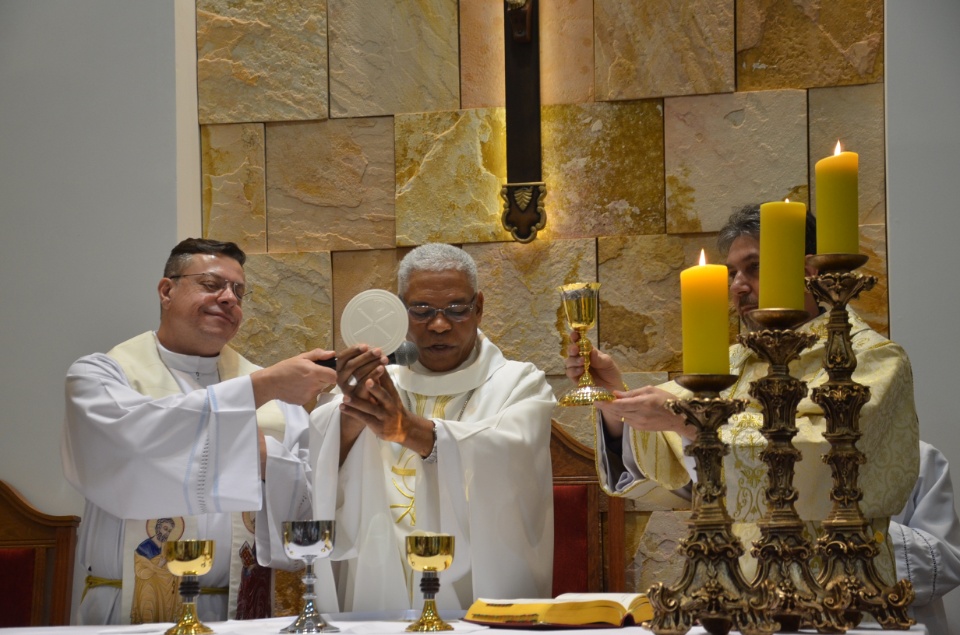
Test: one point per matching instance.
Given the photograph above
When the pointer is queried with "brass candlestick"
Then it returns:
(849, 577)
(711, 588)
(783, 552)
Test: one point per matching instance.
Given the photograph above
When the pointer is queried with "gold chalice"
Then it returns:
(429, 553)
(188, 559)
(580, 303)
(308, 540)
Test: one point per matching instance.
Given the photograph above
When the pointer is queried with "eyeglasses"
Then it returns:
(214, 284)
(424, 314)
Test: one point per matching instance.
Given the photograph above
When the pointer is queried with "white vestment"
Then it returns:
(191, 453)
(491, 487)
(926, 540)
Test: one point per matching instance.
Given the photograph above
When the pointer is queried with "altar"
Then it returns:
(366, 624)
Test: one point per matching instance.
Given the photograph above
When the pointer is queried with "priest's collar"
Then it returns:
(483, 362)
(192, 364)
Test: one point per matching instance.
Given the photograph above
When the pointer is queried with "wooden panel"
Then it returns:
(54, 537)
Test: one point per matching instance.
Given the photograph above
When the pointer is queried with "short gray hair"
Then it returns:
(436, 257)
(743, 222)
(746, 222)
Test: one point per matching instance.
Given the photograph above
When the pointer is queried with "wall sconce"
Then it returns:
(523, 210)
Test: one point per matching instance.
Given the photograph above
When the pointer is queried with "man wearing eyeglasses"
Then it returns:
(175, 424)
(458, 443)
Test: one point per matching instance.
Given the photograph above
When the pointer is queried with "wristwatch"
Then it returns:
(432, 457)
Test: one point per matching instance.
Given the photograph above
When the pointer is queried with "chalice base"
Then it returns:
(430, 621)
(188, 624)
(308, 622)
(586, 395)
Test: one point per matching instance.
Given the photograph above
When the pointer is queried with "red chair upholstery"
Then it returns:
(570, 544)
(589, 555)
(36, 558)
(18, 586)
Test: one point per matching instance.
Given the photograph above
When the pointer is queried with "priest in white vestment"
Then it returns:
(926, 540)
(458, 443)
(172, 434)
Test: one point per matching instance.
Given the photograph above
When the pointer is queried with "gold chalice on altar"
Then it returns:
(188, 559)
(580, 303)
(429, 553)
(308, 540)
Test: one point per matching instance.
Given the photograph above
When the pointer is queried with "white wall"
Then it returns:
(923, 213)
(88, 202)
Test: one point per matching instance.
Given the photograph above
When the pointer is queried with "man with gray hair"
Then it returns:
(458, 443)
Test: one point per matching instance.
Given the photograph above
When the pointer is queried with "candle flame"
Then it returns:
(703, 258)
(786, 200)
(837, 149)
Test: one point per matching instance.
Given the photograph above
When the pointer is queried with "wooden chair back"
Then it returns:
(37, 552)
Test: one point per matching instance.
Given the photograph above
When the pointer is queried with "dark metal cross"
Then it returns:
(523, 210)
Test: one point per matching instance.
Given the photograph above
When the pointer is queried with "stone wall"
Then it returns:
(338, 133)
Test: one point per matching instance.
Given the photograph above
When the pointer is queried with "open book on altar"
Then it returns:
(567, 610)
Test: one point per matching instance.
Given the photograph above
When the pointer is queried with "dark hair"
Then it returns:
(181, 254)
(746, 222)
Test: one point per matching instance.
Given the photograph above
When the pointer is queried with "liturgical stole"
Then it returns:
(148, 375)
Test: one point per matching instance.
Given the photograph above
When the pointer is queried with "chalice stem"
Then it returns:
(585, 347)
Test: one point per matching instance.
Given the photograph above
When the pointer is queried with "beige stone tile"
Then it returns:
(481, 54)
(602, 165)
(330, 185)
(449, 170)
(665, 48)
(356, 271)
(579, 421)
(807, 43)
(522, 312)
(393, 57)
(234, 201)
(261, 61)
(873, 306)
(727, 151)
(566, 52)
(655, 559)
(852, 115)
(290, 309)
(639, 320)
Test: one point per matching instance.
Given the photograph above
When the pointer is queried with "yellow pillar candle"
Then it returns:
(837, 204)
(703, 304)
(782, 231)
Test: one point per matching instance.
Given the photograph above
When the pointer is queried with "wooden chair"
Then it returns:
(36, 559)
(589, 555)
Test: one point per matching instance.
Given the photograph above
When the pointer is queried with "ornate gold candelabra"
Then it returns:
(849, 577)
(783, 552)
(712, 588)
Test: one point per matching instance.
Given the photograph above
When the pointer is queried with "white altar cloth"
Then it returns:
(361, 624)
